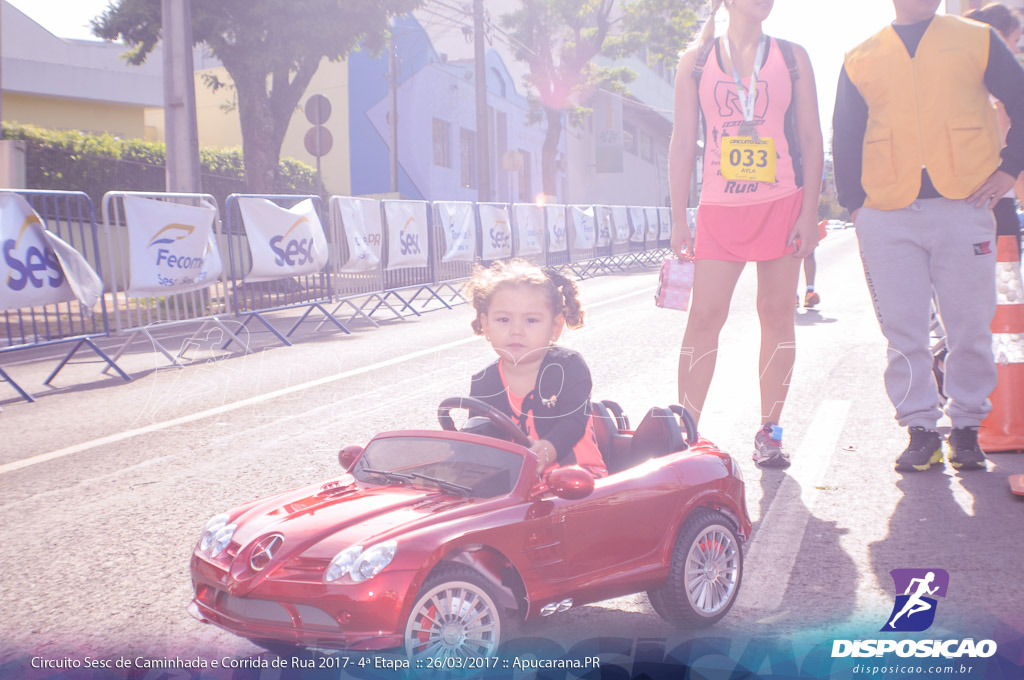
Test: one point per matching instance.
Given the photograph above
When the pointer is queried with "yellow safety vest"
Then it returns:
(932, 111)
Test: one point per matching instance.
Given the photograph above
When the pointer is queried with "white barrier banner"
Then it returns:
(603, 215)
(284, 242)
(638, 225)
(529, 228)
(653, 223)
(583, 226)
(459, 225)
(360, 218)
(621, 218)
(171, 247)
(41, 269)
(665, 221)
(495, 232)
(407, 234)
(557, 241)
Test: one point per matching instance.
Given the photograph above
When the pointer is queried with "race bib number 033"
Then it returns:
(745, 159)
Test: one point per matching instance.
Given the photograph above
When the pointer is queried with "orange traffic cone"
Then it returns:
(1003, 429)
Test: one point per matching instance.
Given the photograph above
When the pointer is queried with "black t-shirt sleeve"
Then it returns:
(570, 409)
(1004, 78)
(849, 124)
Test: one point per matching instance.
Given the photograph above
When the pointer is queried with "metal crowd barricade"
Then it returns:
(652, 247)
(142, 316)
(622, 257)
(637, 234)
(605, 258)
(556, 229)
(253, 300)
(495, 232)
(582, 240)
(665, 228)
(356, 238)
(529, 235)
(401, 241)
(456, 238)
(70, 216)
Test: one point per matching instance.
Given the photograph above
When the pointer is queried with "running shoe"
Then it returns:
(812, 298)
(768, 451)
(923, 451)
(964, 451)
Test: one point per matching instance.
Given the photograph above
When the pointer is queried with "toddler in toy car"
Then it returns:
(521, 310)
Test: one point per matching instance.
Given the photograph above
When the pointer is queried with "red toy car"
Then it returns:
(431, 540)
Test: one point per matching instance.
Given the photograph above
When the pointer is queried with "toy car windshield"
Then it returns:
(458, 467)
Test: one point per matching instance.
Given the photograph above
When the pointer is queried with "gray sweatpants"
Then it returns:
(947, 246)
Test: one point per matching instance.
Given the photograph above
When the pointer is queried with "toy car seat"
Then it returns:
(658, 434)
(608, 424)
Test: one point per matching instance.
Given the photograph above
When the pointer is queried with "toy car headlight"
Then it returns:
(211, 529)
(372, 561)
(342, 563)
(221, 539)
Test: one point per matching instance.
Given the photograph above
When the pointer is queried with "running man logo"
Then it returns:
(915, 606)
(728, 99)
(172, 233)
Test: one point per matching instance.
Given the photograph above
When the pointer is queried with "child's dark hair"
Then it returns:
(1004, 19)
(561, 292)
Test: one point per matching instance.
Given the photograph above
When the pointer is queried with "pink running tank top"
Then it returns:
(720, 105)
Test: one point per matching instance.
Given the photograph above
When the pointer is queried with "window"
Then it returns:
(467, 155)
(525, 178)
(629, 138)
(646, 147)
(442, 143)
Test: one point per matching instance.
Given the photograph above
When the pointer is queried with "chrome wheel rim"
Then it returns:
(712, 570)
(455, 620)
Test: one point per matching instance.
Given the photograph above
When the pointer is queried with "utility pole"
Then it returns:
(183, 174)
(483, 138)
(393, 108)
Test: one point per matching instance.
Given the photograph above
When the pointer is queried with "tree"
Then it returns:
(557, 39)
(661, 29)
(269, 48)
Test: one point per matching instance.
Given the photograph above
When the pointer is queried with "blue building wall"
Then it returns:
(433, 90)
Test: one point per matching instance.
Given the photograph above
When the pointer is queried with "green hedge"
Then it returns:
(69, 160)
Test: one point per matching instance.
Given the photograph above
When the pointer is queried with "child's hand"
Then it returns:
(546, 455)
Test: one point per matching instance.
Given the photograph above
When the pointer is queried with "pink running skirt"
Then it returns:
(747, 233)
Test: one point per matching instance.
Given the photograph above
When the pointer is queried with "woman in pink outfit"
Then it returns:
(753, 97)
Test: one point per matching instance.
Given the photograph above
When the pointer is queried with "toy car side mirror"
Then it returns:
(571, 482)
(348, 455)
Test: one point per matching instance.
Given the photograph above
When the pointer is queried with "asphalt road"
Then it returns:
(105, 485)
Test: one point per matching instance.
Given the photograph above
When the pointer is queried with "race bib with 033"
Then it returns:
(745, 159)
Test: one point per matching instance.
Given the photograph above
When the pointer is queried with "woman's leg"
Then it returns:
(776, 285)
(713, 284)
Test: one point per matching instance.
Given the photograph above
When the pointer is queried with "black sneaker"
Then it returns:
(924, 450)
(964, 453)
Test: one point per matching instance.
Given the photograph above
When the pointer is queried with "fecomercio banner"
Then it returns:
(361, 219)
(171, 247)
(284, 242)
(407, 234)
(529, 221)
(495, 232)
(39, 268)
(459, 226)
(583, 226)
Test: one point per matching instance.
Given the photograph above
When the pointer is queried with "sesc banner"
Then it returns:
(38, 267)
(583, 226)
(665, 220)
(495, 232)
(620, 217)
(284, 242)
(407, 234)
(459, 226)
(557, 241)
(653, 223)
(529, 221)
(171, 247)
(603, 215)
(638, 223)
(360, 221)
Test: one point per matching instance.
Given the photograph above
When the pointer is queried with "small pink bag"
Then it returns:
(674, 284)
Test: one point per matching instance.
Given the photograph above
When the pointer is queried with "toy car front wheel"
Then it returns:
(704, 574)
(456, 616)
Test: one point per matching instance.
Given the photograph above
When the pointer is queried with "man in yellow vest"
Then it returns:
(918, 164)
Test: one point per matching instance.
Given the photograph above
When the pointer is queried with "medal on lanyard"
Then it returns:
(747, 95)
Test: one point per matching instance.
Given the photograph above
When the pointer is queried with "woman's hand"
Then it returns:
(682, 241)
(804, 236)
(546, 455)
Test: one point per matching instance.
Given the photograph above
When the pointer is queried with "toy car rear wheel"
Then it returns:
(456, 616)
(704, 574)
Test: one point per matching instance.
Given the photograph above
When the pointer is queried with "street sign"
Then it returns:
(318, 141)
(318, 109)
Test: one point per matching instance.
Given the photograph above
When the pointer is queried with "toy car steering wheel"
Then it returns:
(689, 424)
(479, 408)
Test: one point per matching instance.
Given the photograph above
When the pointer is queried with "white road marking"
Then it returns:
(776, 544)
(225, 408)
